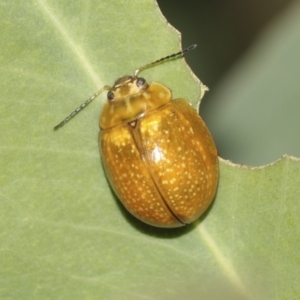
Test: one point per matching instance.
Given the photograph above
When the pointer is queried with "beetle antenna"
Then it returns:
(81, 107)
(180, 53)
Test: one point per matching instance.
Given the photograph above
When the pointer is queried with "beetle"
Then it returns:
(158, 154)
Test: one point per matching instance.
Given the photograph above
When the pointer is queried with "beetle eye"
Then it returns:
(140, 82)
(110, 95)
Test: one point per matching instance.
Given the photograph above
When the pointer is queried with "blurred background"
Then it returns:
(248, 55)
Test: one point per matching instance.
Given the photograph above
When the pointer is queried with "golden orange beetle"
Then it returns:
(158, 154)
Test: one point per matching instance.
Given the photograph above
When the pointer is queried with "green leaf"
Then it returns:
(63, 234)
